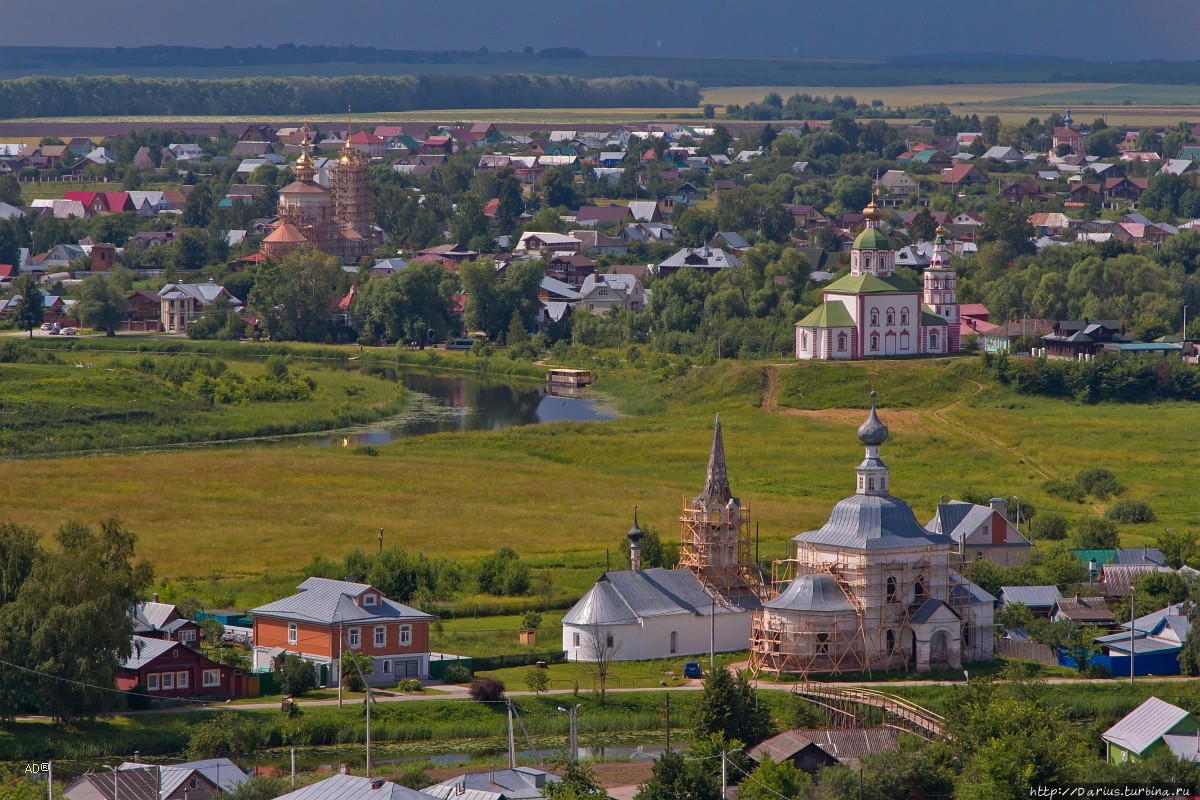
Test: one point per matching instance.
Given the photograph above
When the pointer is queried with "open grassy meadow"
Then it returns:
(562, 494)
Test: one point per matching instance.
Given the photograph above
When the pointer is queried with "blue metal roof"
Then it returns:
(873, 522)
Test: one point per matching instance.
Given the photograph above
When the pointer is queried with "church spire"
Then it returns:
(716, 483)
(872, 472)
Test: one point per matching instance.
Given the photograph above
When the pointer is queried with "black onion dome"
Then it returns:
(873, 432)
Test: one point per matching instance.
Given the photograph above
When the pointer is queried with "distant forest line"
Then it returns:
(233, 62)
(102, 96)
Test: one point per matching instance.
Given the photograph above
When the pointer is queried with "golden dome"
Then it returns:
(872, 212)
(941, 231)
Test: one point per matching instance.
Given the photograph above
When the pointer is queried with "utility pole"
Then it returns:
(381, 540)
(293, 768)
(512, 745)
(575, 733)
(712, 636)
(1132, 636)
(367, 700)
(724, 777)
(50, 779)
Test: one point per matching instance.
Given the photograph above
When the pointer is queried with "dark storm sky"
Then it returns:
(1098, 29)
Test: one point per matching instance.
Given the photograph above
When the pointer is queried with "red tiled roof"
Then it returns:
(362, 137)
(285, 233)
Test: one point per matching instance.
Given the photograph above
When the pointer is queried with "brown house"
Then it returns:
(327, 617)
(156, 620)
(167, 669)
(963, 175)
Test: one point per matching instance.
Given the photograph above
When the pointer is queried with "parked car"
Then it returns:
(460, 344)
(692, 670)
(47, 326)
(68, 331)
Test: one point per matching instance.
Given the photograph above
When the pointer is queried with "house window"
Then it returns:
(187, 636)
(891, 590)
(181, 680)
(575, 640)
(368, 599)
(904, 316)
(152, 682)
(874, 341)
(891, 317)
(822, 644)
(380, 635)
(212, 677)
(841, 342)
(406, 634)
(387, 667)
(608, 640)
(874, 316)
(871, 483)
(354, 638)
(674, 641)
(168, 680)
(293, 633)
(193, 783)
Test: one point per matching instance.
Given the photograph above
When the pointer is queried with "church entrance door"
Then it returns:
(939, 648)
(889, 344)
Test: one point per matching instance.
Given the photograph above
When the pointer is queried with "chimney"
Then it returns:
(154, 597)
(997, 504)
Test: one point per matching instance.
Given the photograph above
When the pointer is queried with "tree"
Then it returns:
(729, 707)
(601, 648)
(503, 573)
(923, 226)
(771, 781)
(1103, 143)
(11, 235)
(577, 782)
(990, 128)
(407, 306)
(101, 305)
(536, 680)
(486, 690)
(30, 310)
(10, 190)
(69, 619)
(1007, 224)
(365, 666)
(292, 296)
(212, 631)
(558, 188)
(1178, 547)
(655, 553)
(1096, 533)
(674, 778)
(296, 676)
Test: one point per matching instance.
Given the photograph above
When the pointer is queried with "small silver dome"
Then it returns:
(873, 432)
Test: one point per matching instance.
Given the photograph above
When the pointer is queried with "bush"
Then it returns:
(486, 690)
(1131, 512)
(411, 685)
(1063, 490)
(1050, 526)
(1099, 482)
(531, 620)
(457, 673)
(227, 735)
(296, 676)
(536, 680)
(1096, 533)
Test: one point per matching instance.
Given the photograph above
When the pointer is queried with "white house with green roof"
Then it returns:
(874, 313)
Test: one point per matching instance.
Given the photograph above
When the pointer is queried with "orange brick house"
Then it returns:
(326, 617)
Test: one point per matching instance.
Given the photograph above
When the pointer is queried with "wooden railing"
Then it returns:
(899, 713)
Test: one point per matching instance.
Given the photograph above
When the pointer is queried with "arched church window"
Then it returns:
(891, 641)
(891, 316)
(874, 317)
(919, 591)
(933, 340)
(841, 342)
(966, 635)
(904, 316)
(822, 644)
(892, 596)
(874, 341)
(803, 340)
(871, 483)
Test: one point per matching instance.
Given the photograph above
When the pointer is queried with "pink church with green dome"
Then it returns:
(874, 313)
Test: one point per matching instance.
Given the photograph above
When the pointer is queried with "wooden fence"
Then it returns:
(1028, 651)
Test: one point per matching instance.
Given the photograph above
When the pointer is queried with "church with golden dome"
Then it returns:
(335, 219)
(875, 313)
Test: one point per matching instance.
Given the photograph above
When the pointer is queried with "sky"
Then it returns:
(1096, 30)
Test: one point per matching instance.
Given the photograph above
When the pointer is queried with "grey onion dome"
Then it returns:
(873, 432)
(635, 533)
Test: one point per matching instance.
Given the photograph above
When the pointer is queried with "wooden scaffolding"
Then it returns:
(715, 545)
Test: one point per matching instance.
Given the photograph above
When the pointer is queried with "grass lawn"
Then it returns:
(562, 493)
(621, 674)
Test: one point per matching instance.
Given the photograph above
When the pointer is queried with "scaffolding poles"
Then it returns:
(714, 544)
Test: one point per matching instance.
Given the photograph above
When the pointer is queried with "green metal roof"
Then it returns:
(830, 314)
(872, 239)
(928, 317)
(868, 283)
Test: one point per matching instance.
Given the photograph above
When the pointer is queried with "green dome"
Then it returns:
(872, 239)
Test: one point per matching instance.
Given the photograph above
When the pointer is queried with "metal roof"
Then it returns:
(1141, 645)
(873, 522)
(1030, 596)
(514, 784)
(329, 601)
(929, 608)
(623, 598)
(1184, 746)
(130, 784)
(847, 745)
(353, 787)
(152, 616)
(146, 650)
(1145, 725)
(818, 593)
(221, 772)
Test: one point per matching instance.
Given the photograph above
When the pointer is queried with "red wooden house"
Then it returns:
(164, 668)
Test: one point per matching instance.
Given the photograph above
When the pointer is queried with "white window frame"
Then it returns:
(354, 638)
(181, 680)
(187, 635)
(211, 677)
(369, 599)
(167, 680)
(152, 682)
(293, 633)
(406, 635)
(387, 667)
(380, 635)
